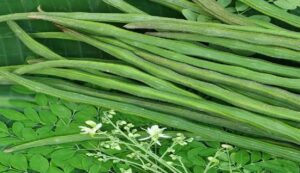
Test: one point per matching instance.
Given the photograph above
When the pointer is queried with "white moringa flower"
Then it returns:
(226, 146)
(126, 171)
(92, 130)
(155, 133)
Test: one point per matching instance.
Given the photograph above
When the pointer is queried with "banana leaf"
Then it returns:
(12, 51)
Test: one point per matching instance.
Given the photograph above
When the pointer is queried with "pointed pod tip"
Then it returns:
(9, 150)
(129, 26)
(132, 26)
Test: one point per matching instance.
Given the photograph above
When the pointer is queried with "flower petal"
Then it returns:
(98, 126)
(144, 139)
(91, 123)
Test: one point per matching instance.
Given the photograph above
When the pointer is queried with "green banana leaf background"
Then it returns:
(12, 51)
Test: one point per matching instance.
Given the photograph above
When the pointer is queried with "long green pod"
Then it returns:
(37, 48)
(11, 67)
(183, 47)
(52, 35)
(156, 106)
(64, 36)
(260, 97)
(271, 51)
(218, 92)
(197, 129)
(268, 91)
(239, 72)
(273, 11)
(129, 18)
(124, 6)
(266, 100)
(229, 112)
(99, 73)
(251, 37)
(15, 16)
(121, 70)
(95, 72)
(91, 59)
(53, 141)
(103, 17)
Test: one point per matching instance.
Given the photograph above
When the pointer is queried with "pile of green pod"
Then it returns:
(173, 75)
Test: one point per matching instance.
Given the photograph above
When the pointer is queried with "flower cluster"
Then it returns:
(139, 145)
